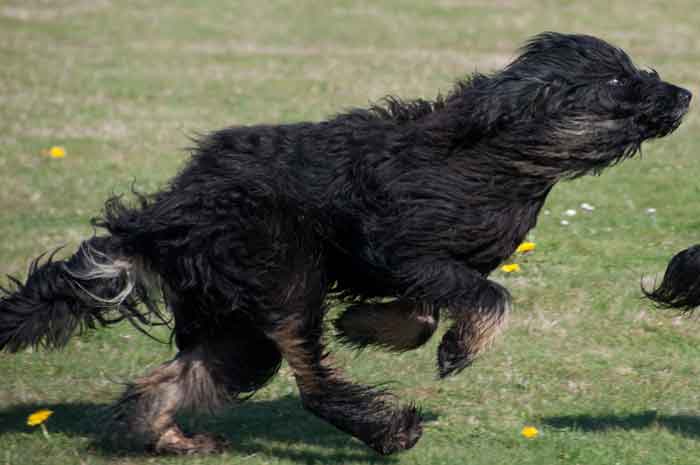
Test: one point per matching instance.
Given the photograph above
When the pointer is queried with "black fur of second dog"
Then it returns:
(680, 287)
(414, 200)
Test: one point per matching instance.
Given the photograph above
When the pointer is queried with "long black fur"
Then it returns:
(57, 300)
(416, 200)
(680, 287)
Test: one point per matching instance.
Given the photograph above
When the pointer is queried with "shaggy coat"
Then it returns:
(680, 287)
(417, 201)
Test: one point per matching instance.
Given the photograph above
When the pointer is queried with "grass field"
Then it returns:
(123, 84)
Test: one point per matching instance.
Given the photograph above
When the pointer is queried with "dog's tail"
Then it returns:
(680, 287)
(97, 285)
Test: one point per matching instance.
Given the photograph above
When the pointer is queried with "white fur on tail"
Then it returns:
(99, 265)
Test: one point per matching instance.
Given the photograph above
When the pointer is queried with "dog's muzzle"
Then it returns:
(684, 97)
(681, 99)
(666, 110)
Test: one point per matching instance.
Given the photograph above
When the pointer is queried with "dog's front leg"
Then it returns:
(477, 323)
(370, 414)
(399, 325)
(477, 305)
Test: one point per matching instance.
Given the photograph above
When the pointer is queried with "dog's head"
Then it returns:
(578, 99)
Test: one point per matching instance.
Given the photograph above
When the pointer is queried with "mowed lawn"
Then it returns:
(122, 85)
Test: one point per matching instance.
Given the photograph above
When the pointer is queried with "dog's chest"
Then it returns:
(487, 235)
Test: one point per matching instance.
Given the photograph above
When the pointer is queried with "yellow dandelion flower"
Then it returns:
(57, 152)
(530, 432)
(39, 417)
(525, 247)
(510, 268)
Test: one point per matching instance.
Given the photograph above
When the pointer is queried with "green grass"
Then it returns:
(122, 85)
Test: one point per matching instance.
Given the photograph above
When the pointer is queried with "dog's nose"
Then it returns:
(684, 96)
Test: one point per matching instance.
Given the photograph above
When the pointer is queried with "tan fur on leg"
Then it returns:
(149, 405)
(371, 415)
(307, 370)
(473, 333)
(399, 325)
(480, 329)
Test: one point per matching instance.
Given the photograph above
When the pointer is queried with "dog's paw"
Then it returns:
(404, 432)
(174, 441)
(453, 354)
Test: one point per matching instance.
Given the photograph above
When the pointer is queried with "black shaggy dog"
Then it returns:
(414, 200)
(680, 287)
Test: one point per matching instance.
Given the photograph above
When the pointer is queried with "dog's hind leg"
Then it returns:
(399, 325)
(147, 409)
(233, 359)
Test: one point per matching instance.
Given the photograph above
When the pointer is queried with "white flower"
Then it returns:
(570, 212)
(564, 223)
(587, 206)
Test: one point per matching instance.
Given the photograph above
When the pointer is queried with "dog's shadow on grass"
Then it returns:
(279, 428)
(686, 425)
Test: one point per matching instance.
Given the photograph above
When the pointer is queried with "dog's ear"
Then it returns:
(515, 101)
(484, 105)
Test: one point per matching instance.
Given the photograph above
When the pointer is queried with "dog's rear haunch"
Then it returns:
(415, 200)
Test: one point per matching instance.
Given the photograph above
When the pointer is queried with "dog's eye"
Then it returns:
(615, 82)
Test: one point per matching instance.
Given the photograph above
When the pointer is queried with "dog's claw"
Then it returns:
(453, 355)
